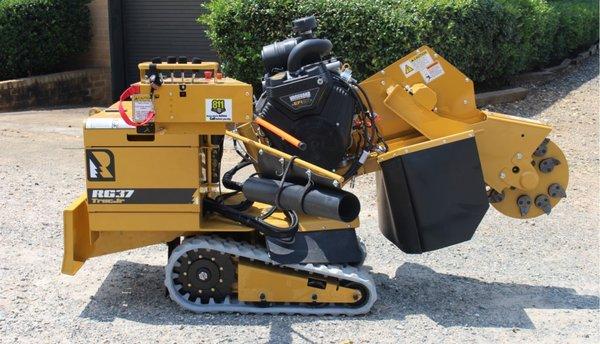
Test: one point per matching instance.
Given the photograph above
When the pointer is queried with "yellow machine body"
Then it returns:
(416, 108)
(146, 188)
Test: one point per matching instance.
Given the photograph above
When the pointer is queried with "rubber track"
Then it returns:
(242, 249)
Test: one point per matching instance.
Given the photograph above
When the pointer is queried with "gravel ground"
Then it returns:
(534, 280)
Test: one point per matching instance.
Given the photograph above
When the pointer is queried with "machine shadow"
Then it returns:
(452, 300)
(135, 292)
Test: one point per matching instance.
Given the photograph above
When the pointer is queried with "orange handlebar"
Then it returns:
(284, 136)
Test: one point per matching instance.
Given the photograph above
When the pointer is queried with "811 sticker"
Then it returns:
(218, 110)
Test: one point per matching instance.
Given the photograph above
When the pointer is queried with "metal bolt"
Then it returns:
(382, 72)
(383, 82)
(212, 289)
(336, 183)
(465, 102)
(260, 152)
(519, 156)
(189, 284)
(220, 280)
(320, 81)
(221, 268)
(213, 259)
(502, 175)
(247, 116)
(466, 79)
(247, 94)
(185, 273)
(314, 297)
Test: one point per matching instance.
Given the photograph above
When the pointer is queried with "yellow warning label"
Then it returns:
(407, 68)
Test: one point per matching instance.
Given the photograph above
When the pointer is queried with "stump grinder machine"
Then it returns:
(282, 239)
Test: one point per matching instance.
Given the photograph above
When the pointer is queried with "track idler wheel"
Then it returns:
(553, 172)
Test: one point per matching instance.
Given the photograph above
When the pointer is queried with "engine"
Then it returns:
(309, 98)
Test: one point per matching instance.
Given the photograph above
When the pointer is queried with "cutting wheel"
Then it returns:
(553, 172)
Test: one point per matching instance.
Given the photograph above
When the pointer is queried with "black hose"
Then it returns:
(235, 212)
(254, 222)
(314, 48)
(228, 181)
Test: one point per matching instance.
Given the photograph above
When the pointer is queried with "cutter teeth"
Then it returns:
(495, 196)
(543, 202)
(542, 148)
(548, 164)
(524, 203)
(557, 191)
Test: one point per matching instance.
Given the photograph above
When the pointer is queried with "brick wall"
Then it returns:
(79, 87)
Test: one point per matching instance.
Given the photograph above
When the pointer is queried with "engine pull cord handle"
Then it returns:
(130, 91)
(284, 136)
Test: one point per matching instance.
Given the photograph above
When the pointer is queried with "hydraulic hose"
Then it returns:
(255, 222)
(228, 181)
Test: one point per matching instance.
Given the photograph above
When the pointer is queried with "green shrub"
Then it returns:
(41, 36)
(486, 39)
(577, 26)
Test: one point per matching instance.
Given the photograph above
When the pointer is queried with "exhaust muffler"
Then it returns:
(317, 201)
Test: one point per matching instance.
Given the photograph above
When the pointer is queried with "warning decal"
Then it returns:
(218, 110)
(142, 105)
(407, 69)
(432, 72)
(423, 63)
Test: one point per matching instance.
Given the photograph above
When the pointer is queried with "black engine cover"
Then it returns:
(315, 108)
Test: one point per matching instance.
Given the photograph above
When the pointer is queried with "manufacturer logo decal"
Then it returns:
(110, 196)
(100, 165)
(299, 96)
(304, 99)
(142, 196)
